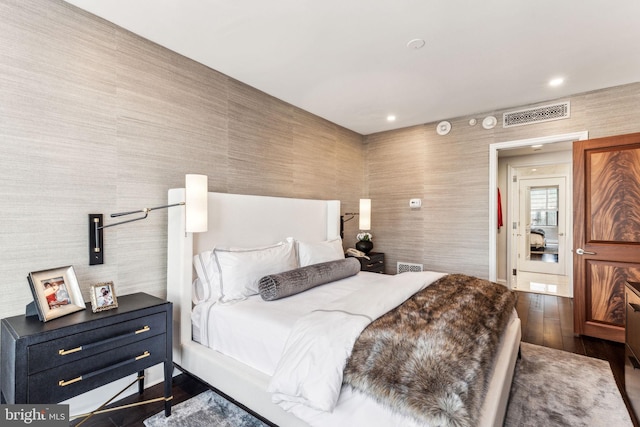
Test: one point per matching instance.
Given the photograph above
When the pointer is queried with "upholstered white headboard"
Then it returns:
(240, 221)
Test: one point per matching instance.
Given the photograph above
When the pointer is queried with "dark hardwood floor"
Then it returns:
(184, 387)
(546, 320)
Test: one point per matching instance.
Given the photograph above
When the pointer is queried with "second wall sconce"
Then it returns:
(364, 215)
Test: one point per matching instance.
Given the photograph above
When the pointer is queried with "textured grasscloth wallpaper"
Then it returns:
(96, 120)
(451, 174)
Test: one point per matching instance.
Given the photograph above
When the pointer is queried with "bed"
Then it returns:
(537, 239)
(219, 354)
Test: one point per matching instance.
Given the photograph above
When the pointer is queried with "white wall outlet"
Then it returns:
(415, 203)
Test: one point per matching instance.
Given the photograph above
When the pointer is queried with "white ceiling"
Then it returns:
(348, 60)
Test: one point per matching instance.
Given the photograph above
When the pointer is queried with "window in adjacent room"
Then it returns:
(544, 206)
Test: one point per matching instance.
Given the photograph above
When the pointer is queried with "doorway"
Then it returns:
(498, 257)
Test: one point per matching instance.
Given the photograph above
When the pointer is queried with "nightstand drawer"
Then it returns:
(632, 379)
(91, 342)
(68, 380)
(374, 264)
(632, 328)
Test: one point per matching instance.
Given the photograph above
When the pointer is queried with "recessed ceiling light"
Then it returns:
(391, 118)
(556, 82)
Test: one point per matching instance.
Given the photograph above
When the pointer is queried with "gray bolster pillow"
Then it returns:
(276, 286)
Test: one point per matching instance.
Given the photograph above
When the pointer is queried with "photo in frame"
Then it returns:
(103, 296)
(56, 292)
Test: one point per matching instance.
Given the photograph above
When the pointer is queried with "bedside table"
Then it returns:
(62, 358)
(374, 264)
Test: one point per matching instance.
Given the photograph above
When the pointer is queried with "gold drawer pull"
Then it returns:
(143, 355)
(64, 352)
(63, 383)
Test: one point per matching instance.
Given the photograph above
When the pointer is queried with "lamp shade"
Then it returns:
(365, 214)
(196, 189)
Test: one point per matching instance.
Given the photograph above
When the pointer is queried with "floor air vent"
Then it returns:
(545, 113)
(404, 267)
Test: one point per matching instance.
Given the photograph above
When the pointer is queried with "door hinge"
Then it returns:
(514, 272)
(515, 178)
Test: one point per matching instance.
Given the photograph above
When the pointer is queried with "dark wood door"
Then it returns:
(606, 232)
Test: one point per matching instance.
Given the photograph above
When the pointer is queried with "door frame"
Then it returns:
(493, 182)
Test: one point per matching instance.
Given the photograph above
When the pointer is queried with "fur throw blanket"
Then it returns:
(431, 357)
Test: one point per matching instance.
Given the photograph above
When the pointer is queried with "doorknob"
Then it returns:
(581, 251)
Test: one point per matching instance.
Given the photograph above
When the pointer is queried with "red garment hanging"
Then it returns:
(500, 224)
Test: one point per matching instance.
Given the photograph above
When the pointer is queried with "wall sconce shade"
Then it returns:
(365, 214)
(196, 189)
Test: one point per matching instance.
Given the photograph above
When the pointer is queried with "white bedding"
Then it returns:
(234, 331)
(537, 241)
(311, 368)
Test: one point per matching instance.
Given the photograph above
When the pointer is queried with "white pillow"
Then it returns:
(197, 292)
(317, 252)
(207, 284)
(241, 269)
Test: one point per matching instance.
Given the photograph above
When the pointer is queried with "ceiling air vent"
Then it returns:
(545, 113)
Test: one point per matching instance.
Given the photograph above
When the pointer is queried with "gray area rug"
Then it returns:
(550, 388)
(558, 388)
(207, 409)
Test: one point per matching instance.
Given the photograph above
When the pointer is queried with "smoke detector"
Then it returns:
(443, 127)
(489, 122)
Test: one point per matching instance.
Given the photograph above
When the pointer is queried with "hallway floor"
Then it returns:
(549, 284)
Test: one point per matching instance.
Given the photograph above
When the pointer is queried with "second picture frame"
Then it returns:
(103, 296)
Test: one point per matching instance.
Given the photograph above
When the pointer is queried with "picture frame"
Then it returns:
(56, 292)
(103, 296)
